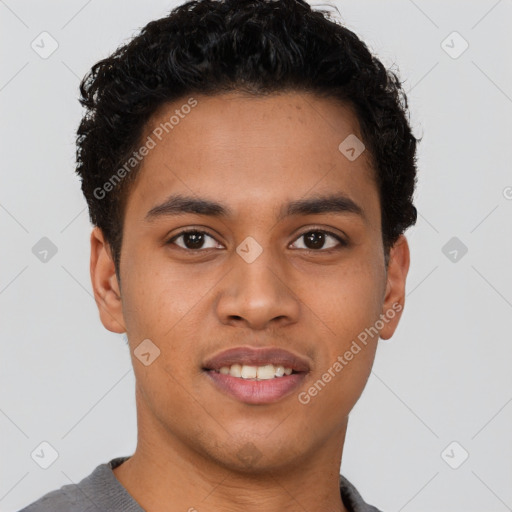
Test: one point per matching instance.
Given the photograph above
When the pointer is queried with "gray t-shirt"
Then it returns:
(101, 491)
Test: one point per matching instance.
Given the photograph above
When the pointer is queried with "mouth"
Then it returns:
(265, 372)
(256, 376)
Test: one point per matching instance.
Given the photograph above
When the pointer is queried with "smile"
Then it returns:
(266, 372)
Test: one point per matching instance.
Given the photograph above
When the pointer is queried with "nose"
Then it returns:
(257, 295)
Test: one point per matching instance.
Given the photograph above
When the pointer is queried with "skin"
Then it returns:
(252, 155)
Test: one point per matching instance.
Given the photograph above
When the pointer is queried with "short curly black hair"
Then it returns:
(254, 46)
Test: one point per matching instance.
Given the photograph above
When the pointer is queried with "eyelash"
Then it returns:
(342, 243)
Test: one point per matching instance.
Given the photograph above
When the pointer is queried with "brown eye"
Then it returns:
(320, 240)
(193, 240)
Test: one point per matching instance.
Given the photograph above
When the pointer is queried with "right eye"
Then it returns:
(192, 240)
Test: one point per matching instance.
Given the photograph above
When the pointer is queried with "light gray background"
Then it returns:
(445, 375)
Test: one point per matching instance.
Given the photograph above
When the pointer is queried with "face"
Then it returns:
(283, 252)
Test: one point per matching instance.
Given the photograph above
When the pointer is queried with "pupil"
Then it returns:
(196, 238)
(314, 240)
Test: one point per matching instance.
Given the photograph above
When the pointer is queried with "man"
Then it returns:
(249, 171)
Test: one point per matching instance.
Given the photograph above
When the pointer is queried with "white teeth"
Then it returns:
(235, 370)
(268, 371)
(249, 372)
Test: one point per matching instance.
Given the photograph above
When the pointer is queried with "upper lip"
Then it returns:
(257, 357)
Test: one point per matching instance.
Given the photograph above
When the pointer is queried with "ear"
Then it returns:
(104, 283)
(394, 299)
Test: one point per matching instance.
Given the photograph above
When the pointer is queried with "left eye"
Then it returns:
(315, 240)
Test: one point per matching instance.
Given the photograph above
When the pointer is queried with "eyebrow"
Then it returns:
(178, 204)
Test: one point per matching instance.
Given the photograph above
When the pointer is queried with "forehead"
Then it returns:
(247, 152)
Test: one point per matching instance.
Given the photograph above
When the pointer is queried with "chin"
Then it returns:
(258, 456)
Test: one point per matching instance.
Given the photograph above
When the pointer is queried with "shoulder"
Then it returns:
(352, 499)
(92, 493)
(64, 499)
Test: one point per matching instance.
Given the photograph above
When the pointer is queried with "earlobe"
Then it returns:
(394, 300)
(105, 284)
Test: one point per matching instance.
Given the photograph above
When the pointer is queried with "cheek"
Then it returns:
(353, 310)
(345, 300)
(164, 304)
(347, 305)
(158, 295)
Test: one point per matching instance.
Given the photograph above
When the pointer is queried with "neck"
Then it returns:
(165, 474)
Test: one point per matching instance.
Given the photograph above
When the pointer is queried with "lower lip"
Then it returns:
(257, 391)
